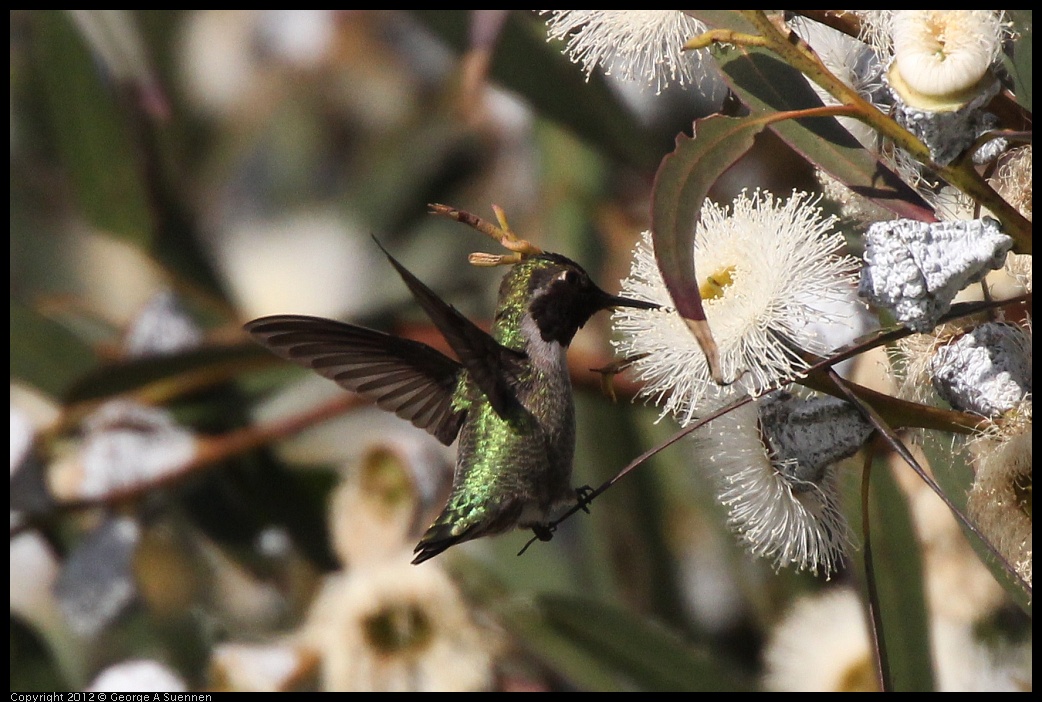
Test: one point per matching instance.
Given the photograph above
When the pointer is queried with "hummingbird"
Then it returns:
(508, 397)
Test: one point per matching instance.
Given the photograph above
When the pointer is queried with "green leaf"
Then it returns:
(681, 185)
(645, 653)
(898, 571)
(90, 135)
(558, 652)
(604, 648)
(45, 354)
(1019, 65)
(766, 84)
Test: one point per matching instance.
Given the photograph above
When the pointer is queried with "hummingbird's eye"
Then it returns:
(571, 277)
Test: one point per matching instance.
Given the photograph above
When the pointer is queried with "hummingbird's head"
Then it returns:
(559, 295)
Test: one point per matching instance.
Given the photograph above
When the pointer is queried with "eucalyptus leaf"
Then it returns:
(645, 653)
(561, 654)
(898, 573)
(45, 354)
(177, 373)
(91, 135)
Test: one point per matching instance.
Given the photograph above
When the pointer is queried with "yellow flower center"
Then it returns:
(385, 478)
(859, 677)
(397, 628)
(713, 287)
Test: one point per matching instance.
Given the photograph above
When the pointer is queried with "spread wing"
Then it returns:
(493, 367)
(402, 376)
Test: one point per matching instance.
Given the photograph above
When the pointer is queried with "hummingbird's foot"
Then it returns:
(611, 370)
(584, 495)
(543, 532)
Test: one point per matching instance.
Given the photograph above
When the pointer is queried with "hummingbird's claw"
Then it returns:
(584, 495)
(543, 532)
(611, 370)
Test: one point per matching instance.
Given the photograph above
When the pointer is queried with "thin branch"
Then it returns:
(212, 450)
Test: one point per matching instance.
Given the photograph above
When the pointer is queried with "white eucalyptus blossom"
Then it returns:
(821, 645)
(23, 433)
(258, 667)
(987, 370)
(373, 512)
(999, 501)
(775, 479)
(390, 627)
(915, 269)
(1013, 179)
(768, 270)
(139, 675)
(635, 45)
(1019, 268)
(34, 568)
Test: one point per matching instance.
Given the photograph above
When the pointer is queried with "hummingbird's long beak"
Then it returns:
(608, 300)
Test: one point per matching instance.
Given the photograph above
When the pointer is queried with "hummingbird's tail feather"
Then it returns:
(451, 529)
(438, 538)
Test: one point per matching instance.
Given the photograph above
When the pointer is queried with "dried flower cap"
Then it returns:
(96, 583)
(162, 327)
(811, 434)
(986, 370)
(915, 269)
(125, 443)
(939, 73)
(948, 133)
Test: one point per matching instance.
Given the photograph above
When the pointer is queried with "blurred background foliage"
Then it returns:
(238, 163)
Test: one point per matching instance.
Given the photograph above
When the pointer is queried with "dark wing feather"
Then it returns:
(402, 376)
(492, 366)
